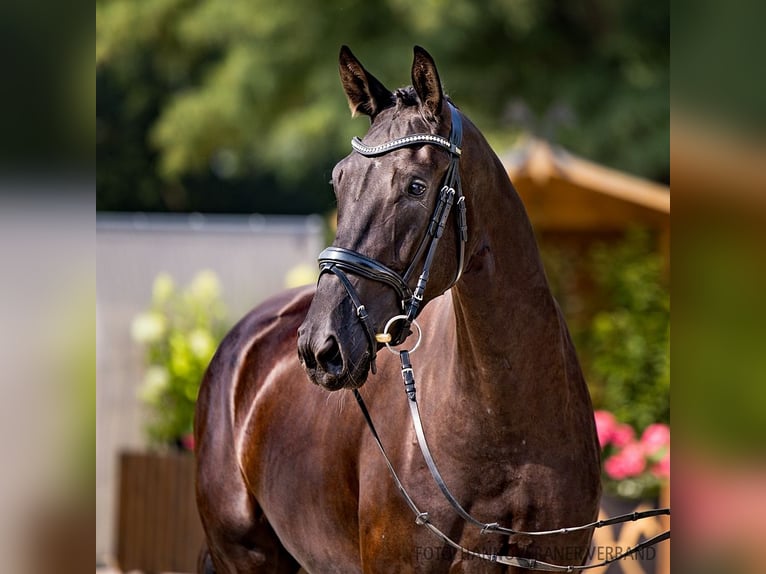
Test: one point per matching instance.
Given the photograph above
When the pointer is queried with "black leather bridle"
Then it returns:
(340, 261)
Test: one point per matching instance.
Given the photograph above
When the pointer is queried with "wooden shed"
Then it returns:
(567, 194)
(575, 205)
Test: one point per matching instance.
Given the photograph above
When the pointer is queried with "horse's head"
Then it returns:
(395, 197)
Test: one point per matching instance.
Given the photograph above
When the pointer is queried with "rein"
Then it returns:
(422, 518)
(340, 261)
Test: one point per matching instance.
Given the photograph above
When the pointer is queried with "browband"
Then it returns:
(406, 141)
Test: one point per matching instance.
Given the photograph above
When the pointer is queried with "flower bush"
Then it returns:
(633, 467)
(179, 332)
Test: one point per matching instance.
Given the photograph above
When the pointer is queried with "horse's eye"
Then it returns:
(416, 187)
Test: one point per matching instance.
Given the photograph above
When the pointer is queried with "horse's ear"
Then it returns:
(425, 80)
(365, 93)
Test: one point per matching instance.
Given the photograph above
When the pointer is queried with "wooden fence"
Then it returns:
(158, 526)
(159, 529)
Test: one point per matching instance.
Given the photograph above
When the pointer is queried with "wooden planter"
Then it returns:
(158, 526)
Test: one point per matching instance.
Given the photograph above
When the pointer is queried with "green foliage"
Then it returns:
(629, 341)
(180, 333)
(215, 105)
(616, 301)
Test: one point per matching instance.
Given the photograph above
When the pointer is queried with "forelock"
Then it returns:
(406, 97)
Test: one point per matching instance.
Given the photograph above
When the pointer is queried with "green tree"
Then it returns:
(234, 105)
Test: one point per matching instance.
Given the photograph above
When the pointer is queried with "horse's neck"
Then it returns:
(511, 347)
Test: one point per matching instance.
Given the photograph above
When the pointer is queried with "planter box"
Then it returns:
(158, 526)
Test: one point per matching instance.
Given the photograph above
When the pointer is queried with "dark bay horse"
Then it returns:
(288, 474)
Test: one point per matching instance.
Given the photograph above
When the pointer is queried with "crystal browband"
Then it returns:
(405, 141)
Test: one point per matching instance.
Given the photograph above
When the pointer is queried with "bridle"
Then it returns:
(340, 261)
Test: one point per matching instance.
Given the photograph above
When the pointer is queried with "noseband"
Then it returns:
(340, 261)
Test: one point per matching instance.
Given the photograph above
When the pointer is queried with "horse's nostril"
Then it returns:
(305, 354)
(307, 357)
(329, 357)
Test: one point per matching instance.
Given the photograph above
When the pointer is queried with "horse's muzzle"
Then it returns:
(328, 364)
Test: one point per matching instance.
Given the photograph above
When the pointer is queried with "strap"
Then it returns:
(435, 230)
(452, 144)
(406, 141)
(428, 457)
(351, 261)
(423, 519)
(361, 311)
(417, 423)
(456, 136)
(450, 194)
(456, 130)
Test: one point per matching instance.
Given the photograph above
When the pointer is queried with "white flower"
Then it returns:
(148, 327)
(201, 343)
(163, 288)
(155, 383)
(206, 285)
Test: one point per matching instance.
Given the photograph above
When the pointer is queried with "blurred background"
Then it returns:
(218, 124)
(208, 118)
(205, 110)
(235, 106)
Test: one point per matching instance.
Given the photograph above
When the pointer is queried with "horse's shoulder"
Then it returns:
(268, 320)
(287, 306)
(266, 328)
(252, 347)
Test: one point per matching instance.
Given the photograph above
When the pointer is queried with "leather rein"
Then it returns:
(340, 261)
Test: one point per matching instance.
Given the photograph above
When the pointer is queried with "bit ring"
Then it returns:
(385, 336)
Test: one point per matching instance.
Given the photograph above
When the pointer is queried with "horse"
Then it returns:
(289, 476)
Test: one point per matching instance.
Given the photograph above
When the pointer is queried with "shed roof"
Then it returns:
(562, 191)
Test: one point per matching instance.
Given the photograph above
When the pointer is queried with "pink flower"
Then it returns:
(662, 468)
(188, 442)
(655, 437)
(623, 435)
(628, 462)
(605, 425)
